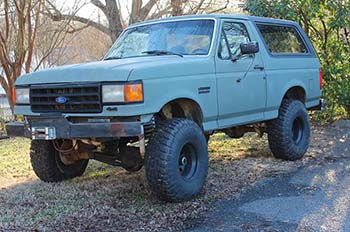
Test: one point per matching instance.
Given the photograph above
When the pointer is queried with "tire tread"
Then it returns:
(279, 129)
(158, 160)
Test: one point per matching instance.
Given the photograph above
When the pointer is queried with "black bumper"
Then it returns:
(321, 106)
(61, 128)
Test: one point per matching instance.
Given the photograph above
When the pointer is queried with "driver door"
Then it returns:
(241, 82)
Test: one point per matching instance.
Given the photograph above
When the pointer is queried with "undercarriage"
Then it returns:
(118, 143)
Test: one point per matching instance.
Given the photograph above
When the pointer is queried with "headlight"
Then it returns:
(22, 96)
(127, 93)
(113, 93)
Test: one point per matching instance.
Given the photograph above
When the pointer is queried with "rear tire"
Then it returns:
(289, 134)
(47, 164)
(177, 160)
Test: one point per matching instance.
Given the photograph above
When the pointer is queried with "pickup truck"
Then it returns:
(162, 89)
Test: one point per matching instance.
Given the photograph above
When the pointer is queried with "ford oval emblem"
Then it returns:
(61, 100)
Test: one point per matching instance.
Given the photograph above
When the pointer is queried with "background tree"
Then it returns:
(80, 47)
(27, 38)
(17, 39)
(327, 24)
(136, 11)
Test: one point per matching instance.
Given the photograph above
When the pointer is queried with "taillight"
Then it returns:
(321, 79)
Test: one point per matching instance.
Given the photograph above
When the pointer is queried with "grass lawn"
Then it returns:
(108, 198)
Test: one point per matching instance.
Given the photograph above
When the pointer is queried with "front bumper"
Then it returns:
(60, 128)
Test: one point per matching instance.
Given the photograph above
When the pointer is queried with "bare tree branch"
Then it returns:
(100, 5)
(18, 38)
(79, 19)
(220, 8)
(3, 82)
(140, 10)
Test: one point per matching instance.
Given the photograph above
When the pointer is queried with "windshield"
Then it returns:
(190, 37)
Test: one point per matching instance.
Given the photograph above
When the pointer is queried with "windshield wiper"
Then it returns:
(162, 52)
(113, 58)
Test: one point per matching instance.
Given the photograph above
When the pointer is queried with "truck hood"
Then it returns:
(119, 70)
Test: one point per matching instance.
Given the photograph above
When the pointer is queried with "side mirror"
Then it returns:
(249, 48)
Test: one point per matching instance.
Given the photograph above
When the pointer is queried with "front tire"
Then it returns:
(177, 160)
(47, 164)
(289, 134)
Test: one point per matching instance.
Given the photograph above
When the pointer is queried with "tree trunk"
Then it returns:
(17, 37)
(114, 19)
(176, 7)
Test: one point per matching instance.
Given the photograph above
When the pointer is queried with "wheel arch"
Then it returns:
(182, 107)
(296, 92)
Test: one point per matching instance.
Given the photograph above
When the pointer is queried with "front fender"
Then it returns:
(159, 92)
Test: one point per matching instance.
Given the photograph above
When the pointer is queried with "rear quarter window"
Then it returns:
(282, 39)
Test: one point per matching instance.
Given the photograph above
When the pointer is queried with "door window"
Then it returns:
(233, 34)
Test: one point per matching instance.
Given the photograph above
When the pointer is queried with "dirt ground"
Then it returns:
(111, 199)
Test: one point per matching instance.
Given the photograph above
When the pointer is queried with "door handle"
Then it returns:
(258, 67)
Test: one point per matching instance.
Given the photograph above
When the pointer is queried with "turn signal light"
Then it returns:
(133, 92)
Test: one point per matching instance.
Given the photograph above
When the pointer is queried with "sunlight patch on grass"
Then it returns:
(14, 157)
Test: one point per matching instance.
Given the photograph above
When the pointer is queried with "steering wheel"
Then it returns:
(200, 51)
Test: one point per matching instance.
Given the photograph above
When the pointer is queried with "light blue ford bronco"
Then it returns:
(162, 89)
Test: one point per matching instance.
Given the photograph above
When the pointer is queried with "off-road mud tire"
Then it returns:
(48, 166)
(289, 134)
(169, 178)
